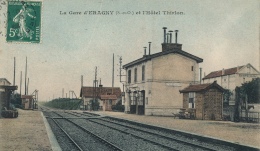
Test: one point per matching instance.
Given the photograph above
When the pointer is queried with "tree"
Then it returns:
(252, 90)
(95, 105)
(118, 107)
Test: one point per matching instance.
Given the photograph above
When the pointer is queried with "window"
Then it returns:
(129, 76)
(192, 100)
(135, 78)
(191, 68)
(143, 73)
(110, 102)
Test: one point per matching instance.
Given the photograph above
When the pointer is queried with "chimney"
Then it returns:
(170, 36)
(81, 80)
(176, 36)
(100, 85)
(168, 45)
(164, 35)
(145, 51)
(223, 71)
(149, 48)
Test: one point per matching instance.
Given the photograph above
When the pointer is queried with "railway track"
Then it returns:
(85, 138)
(64, 138)
(117, 134)
(172, 143)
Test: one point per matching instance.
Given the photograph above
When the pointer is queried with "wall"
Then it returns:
(174, 67)
(213, 104)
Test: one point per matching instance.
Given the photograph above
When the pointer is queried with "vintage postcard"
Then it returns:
(189, 65)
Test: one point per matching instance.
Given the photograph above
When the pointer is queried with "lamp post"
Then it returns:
(136, 94)
(128, 103)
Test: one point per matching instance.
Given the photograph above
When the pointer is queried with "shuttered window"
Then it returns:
(192, 100)
(143, 73)
(135, 78)
(129, 76)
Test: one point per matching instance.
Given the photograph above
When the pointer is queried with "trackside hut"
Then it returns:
(87, 94)
(27, 102)
(154, 80)
(205, 100)
(108, 101)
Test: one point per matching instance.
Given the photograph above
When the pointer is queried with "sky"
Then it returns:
(223, 33)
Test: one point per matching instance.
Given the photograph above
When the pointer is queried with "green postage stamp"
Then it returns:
(24, 21)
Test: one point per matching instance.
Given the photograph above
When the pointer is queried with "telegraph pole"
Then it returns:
(27, 86)
(81, 80)
(25, 77)
(120, 69)
(21, 83)
(14, 72)
(94, 88)
(113, 76)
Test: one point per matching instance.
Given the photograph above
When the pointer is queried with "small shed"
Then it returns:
(27, 102)
(203, 101)
(6, 92)
(108, 101)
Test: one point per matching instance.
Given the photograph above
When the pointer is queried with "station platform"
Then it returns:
(29, 131)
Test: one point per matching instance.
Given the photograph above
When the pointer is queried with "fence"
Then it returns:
(250, 116)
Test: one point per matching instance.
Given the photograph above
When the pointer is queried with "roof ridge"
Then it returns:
(227, 69)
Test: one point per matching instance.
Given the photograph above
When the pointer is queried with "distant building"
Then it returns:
(203, 101)
(102, 95)
(27, 102)
(154, 80)
(232, 77)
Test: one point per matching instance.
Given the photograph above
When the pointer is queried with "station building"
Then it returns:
(154, 80)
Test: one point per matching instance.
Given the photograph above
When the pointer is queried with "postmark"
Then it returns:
(24, 21)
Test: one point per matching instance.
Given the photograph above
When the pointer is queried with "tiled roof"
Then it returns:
(219, 73)
(108, 97)
(201, 87)
(149, 57)
(88, 91)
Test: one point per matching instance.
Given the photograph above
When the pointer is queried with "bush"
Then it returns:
(118, 107)
(64, 103)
